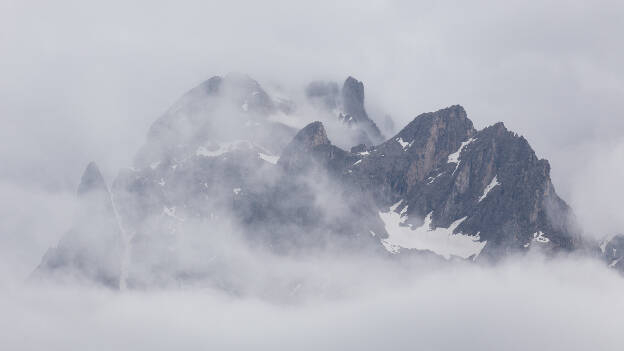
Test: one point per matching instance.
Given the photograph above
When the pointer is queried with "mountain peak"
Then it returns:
(452, 112)
(91, 180)
(312, 135)
(240, 79)
(211, 85)
(353, 95)
(455, 111)
(451, 120)
(497, 127)
(92, 248)
(353, 105)
(297, 153)
(353, 99)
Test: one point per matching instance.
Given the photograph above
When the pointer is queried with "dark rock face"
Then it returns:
(354, 111)
(404, 161)
(353, 97)
(309, 137)
(289, 192)
(92, 249)
(438, 165)
(523, 210)
(297, 153)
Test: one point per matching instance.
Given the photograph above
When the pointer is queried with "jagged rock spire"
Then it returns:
(353, 99)
(348, 102)
(353, 106)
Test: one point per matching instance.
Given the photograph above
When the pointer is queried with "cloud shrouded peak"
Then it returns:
(92, 180)
(311, 135)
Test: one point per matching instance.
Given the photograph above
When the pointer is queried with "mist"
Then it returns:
(84, 82)
(522, 304)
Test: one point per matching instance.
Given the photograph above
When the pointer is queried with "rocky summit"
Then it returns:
(229, 157)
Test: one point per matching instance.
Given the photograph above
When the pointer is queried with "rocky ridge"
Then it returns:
(438, 187)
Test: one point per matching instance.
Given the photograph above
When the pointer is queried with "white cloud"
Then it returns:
(523, 304)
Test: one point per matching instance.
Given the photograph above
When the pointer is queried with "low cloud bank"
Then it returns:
(528, 303)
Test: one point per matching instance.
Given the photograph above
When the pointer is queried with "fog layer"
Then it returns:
(523, 304)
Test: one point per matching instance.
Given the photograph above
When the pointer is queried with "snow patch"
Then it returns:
(488, 188)
(404, 144)
(392, 248)
(245, 106)
(441, 241)
(454, 157)
(432, 179)
(236, 191)
(540, 238)
(403, 211)
(269, 158)
(161, 182)
(396, 205)
(153, 165)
